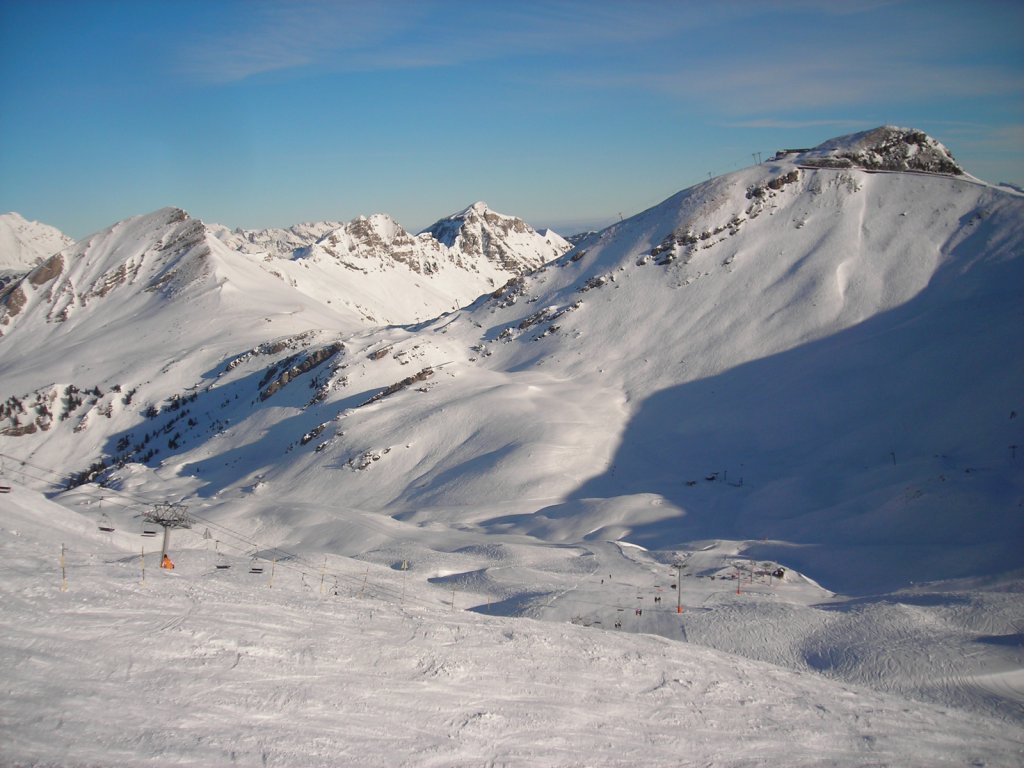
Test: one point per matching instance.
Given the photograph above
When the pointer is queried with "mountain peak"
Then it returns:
(448, 226)
(446, 230)
(886, 148)
(24, 243)
(378, 231)
(505, 240)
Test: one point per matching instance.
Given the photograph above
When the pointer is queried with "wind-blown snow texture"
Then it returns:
(815, 365)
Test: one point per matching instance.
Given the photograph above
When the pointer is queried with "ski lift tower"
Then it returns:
(169, 515)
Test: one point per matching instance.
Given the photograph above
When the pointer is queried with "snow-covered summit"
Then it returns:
(383, 274)
(273, 242)
(372, 243)
(394, 276)
(24, 243)
(886, 148)
(152, 249)
(369, 270)
(506, 241)
(153, 287)
(476, 239)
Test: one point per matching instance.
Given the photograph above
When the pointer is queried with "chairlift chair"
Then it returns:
(222, 563)
(254, 566)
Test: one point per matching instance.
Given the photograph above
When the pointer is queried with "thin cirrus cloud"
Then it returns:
(393, 35)
(773, 123)
(275, 38)
(808, 80)
(1004, 139)
(822, 59)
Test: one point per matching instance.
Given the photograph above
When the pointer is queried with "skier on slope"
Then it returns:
(166, 563)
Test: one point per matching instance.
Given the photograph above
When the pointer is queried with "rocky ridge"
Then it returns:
(887, 148)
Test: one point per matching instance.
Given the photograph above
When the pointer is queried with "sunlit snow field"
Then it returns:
(362, 663)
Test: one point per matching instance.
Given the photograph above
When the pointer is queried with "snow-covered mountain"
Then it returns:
(151, 288)
(273, 242)
(165, 292)
(386, 275)
(399, 277)
(812, 366)
(369, 269)
(503, 241)
(887, 148)
(23, 244)
(181, 285)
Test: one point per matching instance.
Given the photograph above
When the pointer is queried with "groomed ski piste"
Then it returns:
(359, 662)
(734, 482)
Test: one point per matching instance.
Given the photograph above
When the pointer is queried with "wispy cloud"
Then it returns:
(709, 57)
(767, 122)
(978, 137)
(391, 34)
(829, 56)
(275, 37)
(820, 82)
(814, 77)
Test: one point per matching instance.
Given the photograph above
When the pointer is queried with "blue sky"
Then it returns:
(258, 114)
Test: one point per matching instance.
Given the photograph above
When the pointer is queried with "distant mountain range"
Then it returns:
(370, 268)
